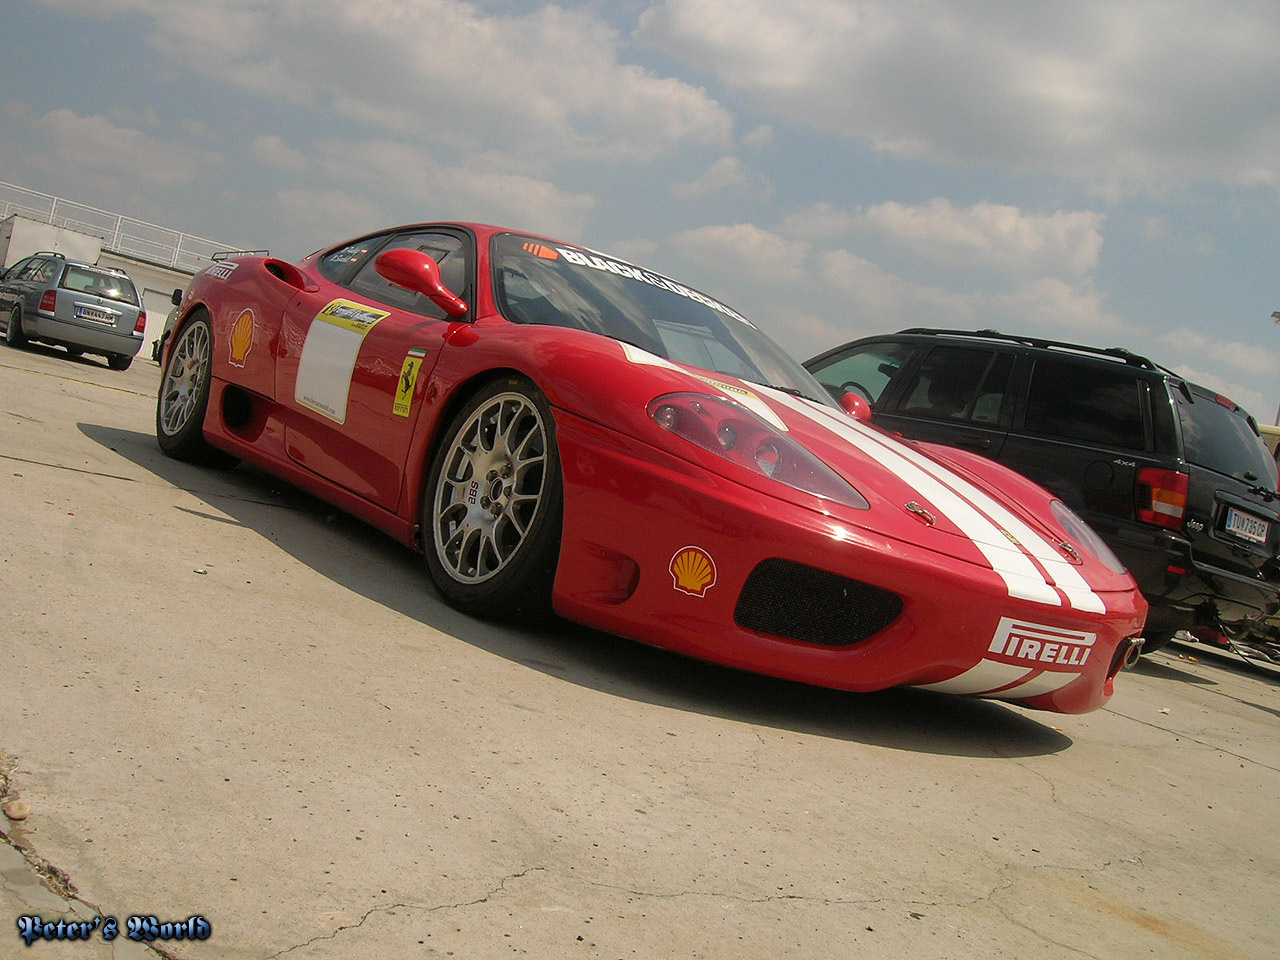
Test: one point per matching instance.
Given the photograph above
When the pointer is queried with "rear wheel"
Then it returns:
(184, 397)
(118, 361)
(13, 334)
(74, 352)
(492, 507)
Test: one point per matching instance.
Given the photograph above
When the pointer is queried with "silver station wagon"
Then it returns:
(80, 306)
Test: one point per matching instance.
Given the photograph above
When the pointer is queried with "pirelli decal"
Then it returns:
(1024, 660)
(1046, 648)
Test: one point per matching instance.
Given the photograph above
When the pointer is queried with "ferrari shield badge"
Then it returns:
(408, 380)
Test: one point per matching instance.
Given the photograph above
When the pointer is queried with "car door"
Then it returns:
(23, 284)
(354, 359)
(956, 395)
(1085, 432)
(8, 290)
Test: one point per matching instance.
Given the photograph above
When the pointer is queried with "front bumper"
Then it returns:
(637, 520)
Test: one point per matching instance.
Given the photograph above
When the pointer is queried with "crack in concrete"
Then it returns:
(1182, 735)
(425, 908)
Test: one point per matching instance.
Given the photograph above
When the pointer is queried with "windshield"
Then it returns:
(569, 287)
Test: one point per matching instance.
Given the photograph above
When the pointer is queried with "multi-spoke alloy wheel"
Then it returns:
(491, 510)
(184, 396)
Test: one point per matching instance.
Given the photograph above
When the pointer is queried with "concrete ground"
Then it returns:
(222, 699)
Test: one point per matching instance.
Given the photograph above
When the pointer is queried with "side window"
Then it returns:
(32, 270)
(448, 251)
(15, 271)
(45, 271)
(1074, 401)
(866, 371)
(340, 264)
(960, 383)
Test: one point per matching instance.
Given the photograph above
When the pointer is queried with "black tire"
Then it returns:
(74, 352)
(184, 397)
(493, 505)
(118, 361)
(1153, 640)
(13, 334)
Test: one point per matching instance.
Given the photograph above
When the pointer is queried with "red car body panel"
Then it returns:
(992, 603)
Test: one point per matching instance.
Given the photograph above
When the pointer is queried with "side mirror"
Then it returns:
(176, 299)
(414, 270)
(856, 406)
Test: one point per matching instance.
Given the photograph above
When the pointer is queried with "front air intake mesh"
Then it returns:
(791, 600)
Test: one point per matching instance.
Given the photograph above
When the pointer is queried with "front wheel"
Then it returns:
(13, 334)
(184, 397)
(118, 361)
(493, 505)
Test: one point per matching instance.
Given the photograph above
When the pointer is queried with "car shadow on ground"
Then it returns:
(60, 353)
(372, 565)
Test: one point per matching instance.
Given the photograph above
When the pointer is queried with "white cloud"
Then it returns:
(414, 186)
(95, 149)
(1134, 96)
(745, 250)
(987, 236)
(271, 151)
(543, 86)
(726, 174)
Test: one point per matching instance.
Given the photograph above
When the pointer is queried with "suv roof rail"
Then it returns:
(50, 253)
(1116, 353)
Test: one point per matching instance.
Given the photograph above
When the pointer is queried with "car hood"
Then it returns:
(953, 503)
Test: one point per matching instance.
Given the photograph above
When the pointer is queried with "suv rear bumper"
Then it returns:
(1182, 591)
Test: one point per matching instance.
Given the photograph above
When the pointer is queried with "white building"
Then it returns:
(157, 259)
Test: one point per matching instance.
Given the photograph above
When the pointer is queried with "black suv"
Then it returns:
(1174, 477)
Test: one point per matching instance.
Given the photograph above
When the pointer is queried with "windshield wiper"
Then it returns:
(789, 390)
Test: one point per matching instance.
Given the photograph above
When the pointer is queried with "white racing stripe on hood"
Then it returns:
(981, 518)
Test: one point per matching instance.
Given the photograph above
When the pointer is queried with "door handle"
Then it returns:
(973, 441)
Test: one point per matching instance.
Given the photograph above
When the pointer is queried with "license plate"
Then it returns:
(1246, 525)
(98, 316)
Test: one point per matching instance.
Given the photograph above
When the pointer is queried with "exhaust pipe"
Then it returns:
(1132, 652)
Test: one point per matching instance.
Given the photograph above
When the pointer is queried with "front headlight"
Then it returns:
(734, 433)
(1085, 535)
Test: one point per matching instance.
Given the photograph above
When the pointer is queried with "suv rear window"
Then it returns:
(1220, 438)
(1088, 404)
(100, 283)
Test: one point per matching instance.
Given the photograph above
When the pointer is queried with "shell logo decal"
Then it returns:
(241, 338)
(693, 571)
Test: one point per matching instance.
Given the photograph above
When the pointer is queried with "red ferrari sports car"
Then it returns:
(559, 431)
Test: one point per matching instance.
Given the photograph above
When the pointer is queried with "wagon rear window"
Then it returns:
(100, 283)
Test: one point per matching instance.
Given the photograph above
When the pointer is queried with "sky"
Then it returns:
(1098, 172)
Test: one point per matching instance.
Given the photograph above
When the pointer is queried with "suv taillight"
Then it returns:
(141, 326)
(1162, 497)
(49, 302)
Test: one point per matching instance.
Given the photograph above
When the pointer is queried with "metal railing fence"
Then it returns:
(120, 234)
